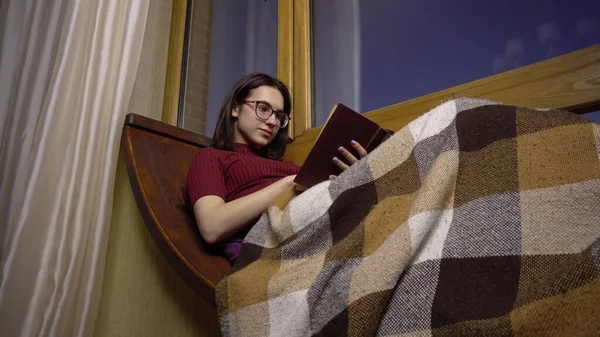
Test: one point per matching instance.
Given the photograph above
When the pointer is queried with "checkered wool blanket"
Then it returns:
(476, 219)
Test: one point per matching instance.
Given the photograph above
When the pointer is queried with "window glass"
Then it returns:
(594, 116)
(373, 53)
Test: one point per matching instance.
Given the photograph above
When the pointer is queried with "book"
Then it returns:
(341, 127)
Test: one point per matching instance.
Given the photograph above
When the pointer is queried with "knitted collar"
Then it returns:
(247, 149)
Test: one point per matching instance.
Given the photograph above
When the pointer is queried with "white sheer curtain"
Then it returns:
(67, 69)
(261, 36)
(337, 56)
(244, 40)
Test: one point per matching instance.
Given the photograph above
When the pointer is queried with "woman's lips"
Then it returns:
(266, 132)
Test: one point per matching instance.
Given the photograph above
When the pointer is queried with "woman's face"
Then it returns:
(248, 128)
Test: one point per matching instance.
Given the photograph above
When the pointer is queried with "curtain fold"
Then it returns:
(244, 40)
(337, 56)
(67, 69)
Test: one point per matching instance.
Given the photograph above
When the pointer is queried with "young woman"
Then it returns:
(231, 183)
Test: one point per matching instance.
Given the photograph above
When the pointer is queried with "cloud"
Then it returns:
(586, 26)
(548, 32)
(514, 53)
(499, 64)
(551, 51)
(515, 47)
(548, 37)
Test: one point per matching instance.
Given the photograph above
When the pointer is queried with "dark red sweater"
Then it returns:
(232, 175)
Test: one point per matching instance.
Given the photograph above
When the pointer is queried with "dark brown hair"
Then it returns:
(223, 136)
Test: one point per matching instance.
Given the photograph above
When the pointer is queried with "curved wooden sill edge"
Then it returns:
(191, 274)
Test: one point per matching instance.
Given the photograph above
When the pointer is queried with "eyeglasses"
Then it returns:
(264, 111)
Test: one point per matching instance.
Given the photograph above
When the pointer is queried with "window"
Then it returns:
(227, 39)
(370, 54)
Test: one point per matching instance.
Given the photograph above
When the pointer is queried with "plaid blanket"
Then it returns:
(476, 219)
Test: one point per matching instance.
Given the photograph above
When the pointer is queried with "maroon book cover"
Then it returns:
(343, 126)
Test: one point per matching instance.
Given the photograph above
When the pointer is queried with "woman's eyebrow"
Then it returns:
(269, 103)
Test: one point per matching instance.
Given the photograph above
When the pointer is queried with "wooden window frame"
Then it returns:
(294, 60)
(172, 89)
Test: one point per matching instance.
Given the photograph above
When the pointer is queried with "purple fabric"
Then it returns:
(232, 247)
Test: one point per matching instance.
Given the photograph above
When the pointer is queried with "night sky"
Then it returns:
(412, 48)
(408, 48)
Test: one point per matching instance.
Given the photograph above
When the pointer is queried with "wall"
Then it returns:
(196, 88)
(141, 294)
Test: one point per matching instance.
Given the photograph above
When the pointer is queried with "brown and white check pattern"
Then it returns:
(478, 218)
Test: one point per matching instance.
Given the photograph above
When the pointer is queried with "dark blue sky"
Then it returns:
(412, 48)
(595, 116)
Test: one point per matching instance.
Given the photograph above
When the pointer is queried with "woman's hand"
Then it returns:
(289, 181)
(348, 156)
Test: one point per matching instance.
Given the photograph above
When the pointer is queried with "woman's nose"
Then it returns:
(272, 120)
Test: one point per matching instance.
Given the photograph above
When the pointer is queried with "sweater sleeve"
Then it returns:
(205, 177)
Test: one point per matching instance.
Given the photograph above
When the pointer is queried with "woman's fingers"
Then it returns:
(349, 156)
(361, 151)
(340, 163)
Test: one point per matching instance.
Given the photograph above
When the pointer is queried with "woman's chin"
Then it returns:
(259, 142)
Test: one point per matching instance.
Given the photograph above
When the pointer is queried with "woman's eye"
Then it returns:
(263, 108)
